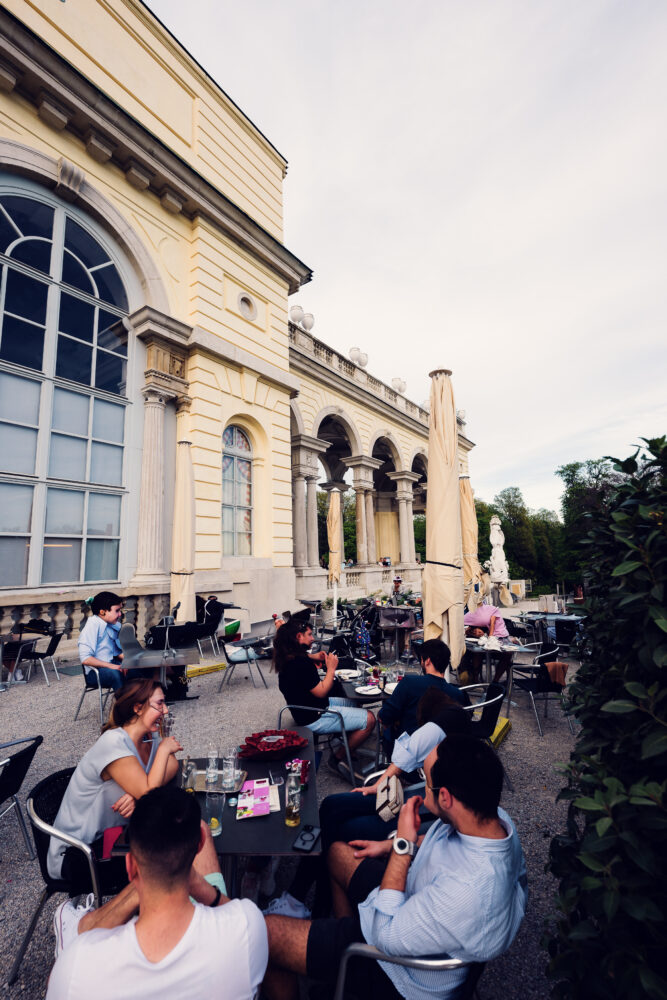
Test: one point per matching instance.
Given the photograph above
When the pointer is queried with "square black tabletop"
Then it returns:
(269, 835)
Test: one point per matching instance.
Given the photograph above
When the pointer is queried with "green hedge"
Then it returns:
(608, 939)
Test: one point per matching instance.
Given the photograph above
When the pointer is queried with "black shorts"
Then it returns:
(328, 939)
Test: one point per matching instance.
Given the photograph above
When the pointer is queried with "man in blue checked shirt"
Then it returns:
(459, 890)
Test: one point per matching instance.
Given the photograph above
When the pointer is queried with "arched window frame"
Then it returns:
(52, 507)
(237, 492)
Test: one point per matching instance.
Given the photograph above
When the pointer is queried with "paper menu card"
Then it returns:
(257, 798)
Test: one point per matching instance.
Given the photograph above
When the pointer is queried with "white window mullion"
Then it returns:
(84, 536)
(37, 535)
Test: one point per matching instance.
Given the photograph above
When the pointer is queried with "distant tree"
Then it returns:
(420, 535)
(589, 487)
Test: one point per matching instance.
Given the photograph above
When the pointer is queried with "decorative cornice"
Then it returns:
(65, 99)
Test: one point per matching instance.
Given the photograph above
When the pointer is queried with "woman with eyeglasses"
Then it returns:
(126, 761)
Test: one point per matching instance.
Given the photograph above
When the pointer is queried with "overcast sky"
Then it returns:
(478, 185)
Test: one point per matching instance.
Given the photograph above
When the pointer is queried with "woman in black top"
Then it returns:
(300, 684)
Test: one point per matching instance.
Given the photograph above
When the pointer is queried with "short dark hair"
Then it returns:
(470, 770)
(437, 652)
(163, 834)
(104, 601)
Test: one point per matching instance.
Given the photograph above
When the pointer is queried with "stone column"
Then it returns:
(311, 522)
(370, 528)
(150, 547)
(299, 521)
(403, 527)
(412, 555)
(362, 545)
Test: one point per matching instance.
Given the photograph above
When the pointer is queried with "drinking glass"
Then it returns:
(166, 725)
(212, 766)
(293, 800)
(213, 809)
(229, 768)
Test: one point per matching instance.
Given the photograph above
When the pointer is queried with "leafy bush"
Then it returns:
(608, 939)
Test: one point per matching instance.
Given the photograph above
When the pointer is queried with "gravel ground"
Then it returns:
(30, 709)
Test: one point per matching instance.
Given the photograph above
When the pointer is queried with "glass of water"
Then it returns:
(213, 810)
(229, 768)
(212, 766)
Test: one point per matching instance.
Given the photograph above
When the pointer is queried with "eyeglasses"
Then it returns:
(434, 788)
(160, 707)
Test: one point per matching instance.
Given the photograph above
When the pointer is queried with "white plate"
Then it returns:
(390, 688)
(348, 675)
(368, 689)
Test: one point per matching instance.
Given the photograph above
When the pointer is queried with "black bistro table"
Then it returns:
(265, 835)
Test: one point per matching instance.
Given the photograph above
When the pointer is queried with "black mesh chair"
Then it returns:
(13, 769)
(439, 963)
(38, 656)
(484, 726)
(42, 807)
(537, 683)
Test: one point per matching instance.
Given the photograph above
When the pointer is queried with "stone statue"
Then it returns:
(497, 564)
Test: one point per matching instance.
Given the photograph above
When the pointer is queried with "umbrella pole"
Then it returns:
(335, 603)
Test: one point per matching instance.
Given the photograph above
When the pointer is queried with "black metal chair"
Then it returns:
(536, 682)
(38, 656)
(435, 963)
(13, 769)
(243, 652)
(16, 650)
(484, 727)
(42, 806)
(91, 682)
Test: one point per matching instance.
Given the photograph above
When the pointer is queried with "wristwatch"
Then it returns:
(402, 846)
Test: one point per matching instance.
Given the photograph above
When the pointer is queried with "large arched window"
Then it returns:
(236, 493)
(63, 378)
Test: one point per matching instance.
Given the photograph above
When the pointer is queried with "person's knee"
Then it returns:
(370, 720)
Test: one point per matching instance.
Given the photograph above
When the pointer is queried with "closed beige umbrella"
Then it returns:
(183, 536)
(472, 571)
(334, 539)
(443, 573)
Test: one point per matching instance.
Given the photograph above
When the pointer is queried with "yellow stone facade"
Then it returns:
(109, 114)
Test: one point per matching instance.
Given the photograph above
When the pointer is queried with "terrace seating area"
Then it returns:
(226, 714)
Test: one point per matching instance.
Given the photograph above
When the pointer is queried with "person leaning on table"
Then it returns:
(459, 890)
(125, 762)
(98, 642)
(188, 939)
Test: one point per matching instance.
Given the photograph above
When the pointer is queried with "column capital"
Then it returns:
(403, 478)
(305, 450)
(363, 467)
(155, 395)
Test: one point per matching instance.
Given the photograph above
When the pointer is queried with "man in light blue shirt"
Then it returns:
(98, 640)
(459, 890)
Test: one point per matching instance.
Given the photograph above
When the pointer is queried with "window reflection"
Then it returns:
(236, 492)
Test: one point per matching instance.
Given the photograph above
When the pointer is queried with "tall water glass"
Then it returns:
(229, 767)
(212, 766)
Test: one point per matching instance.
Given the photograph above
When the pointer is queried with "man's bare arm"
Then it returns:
(117, 911)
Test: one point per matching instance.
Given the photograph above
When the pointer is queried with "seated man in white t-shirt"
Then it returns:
(172, 948)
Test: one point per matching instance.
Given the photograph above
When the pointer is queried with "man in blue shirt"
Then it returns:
(98, 640)
(399, 712)
(459, 890)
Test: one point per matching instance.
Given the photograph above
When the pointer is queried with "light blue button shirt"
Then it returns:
(464, 897)
(410, 751)
(99, 639)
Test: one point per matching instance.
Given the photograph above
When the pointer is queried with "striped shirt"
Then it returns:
(464, 897)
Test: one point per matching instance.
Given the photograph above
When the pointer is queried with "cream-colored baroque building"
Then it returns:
(151, 385)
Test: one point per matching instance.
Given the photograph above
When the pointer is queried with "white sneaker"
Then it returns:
(66, 921)
(18, 674)
(288, 906)
(267, 877)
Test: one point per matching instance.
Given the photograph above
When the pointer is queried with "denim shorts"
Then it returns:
(353, 717)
